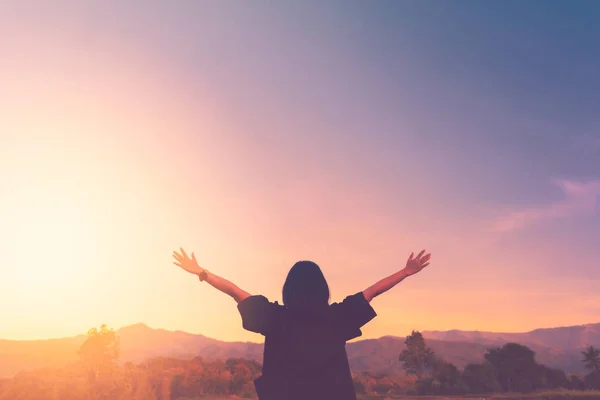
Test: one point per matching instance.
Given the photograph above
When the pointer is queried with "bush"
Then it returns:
(555, 378)
(575, 383)
(592, 381)
(359, 386)
(523, 386)
(481, 378)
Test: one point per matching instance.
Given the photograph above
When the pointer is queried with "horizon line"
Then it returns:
(116, 330)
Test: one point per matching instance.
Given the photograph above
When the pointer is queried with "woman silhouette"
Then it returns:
(305, 354)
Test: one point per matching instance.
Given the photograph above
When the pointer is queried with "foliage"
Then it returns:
(516, 367)
(101, 346)
(98, 375)
(592, 381)
(99, 355)
(381, 384)
(445, 379)
(435, 376)
(575, 383)
(591, 358)
(553, 378)
(481, 378)
(417, 358)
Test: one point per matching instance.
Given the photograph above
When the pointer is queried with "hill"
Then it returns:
(572, 337)
(556, 347)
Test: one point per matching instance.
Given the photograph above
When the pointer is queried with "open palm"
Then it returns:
(187, 263)
(416, 264)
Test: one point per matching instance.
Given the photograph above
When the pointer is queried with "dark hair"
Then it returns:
(305, 286)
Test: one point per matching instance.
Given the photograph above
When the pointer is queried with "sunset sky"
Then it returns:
(257, 134)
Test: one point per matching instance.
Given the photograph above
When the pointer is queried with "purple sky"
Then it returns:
(346, 132)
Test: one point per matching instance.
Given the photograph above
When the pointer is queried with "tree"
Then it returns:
(384, 385)
(241, 374)
(101, 347)
(592, 381)
(448, 375)
(517, 370)
(417, 358)
(554, 378)
(591, 358)
(99, 354)
(359, 385)
(364, 383)
(575, 382)
(516, 366)
(445, 380)
(481, 378)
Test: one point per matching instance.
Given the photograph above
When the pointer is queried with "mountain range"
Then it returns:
(555, 347)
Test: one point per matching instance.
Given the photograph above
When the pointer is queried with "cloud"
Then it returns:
(580, 198)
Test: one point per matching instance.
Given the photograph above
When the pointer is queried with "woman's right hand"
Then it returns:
(187, 263)
(414, 265)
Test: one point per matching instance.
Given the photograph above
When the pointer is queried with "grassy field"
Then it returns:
(550, 395)
(553, 395)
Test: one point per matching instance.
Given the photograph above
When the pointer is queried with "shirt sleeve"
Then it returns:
(258, 314)
(352, 314)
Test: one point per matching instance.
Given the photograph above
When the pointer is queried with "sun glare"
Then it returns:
(48, 238)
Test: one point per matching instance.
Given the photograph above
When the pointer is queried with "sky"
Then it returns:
(261, 133)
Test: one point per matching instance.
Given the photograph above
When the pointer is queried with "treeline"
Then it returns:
(157, 379)
(98, 376)
(510, 368)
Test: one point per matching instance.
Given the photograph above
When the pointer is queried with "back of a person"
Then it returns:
(305, 354)
(305, 357)
(309, 348)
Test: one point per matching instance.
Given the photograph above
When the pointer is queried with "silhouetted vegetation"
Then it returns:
(508, 369)
(98, 375)
(417, 358)
(591, 358)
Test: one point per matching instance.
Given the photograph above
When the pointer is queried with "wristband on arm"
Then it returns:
(203, 275)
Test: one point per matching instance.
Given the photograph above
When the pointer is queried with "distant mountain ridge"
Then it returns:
(571, 337)
(555, 347)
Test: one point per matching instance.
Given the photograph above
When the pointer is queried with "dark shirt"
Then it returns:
(305, 350)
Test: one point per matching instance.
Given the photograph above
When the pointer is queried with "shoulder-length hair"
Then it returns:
(305, 287)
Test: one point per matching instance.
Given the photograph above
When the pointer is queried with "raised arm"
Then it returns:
(413, 265)
(191, 266)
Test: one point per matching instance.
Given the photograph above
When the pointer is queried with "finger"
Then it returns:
(421, 253)
(177, 256)
(411, 256)
(426, 257)
(194, 258)
(183, 252)
(178, 264)
(424, 265)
